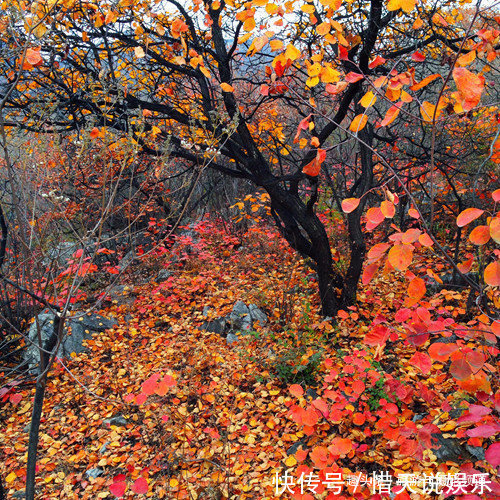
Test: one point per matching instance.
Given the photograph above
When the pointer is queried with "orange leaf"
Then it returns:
(352, 77)
(416, 290)
(376, 251)
(413, 213)
(480, 235)
(495, 229)
(470, 87)
(423, 83)
(388, 209)
(358, 419)
(468, 215)
(350, 204)
(390, 116)
(314, 167)
(375, 215)
(400, 256)
(33, 56)
(425, 240)
(296, 390)
(441, 352)
(492, 274)
(340, 446)
(226, 87)
(496, 195)
(358, 123)
(320, 457)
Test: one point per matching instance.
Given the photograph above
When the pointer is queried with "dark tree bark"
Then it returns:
(36, 416)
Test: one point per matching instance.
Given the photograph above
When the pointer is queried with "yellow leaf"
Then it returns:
(226, 87)
(291, 461)
(139, 52)
(292, 52)
(358, 123)
(308, 9)
(173, 483)
(276, 45)
(368, 99)
(406, 5)
(249, 24)
(322, 29)
(11, 477)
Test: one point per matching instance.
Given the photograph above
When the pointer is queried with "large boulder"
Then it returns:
(76, 330)
(241, 319)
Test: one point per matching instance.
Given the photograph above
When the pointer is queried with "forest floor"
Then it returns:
(195, 416)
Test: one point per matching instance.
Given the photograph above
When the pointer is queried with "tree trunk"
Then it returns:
(36, 414)
(307, 235)
(356, 237)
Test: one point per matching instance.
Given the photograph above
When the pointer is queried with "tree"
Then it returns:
(197, 77)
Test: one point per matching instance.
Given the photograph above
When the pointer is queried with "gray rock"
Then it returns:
(118, 420)
(76, 330)
(61, 253)
(476, 451)
(120, 294)
(163, 275)
(19, 494)
(94, 473)
(104, 447)
(232, 338)
(257, 315)
(205, 312)
(127, 260)
(240, 318)
(451, 449)
(215, 326)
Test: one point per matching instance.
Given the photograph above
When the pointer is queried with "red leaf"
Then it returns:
(496, 197)
(493, 454)
(150, 385)
(140, 486)
(468, 215)
(460, 369)
(164, 385)
(484, 431)
(369, 272)
(418, 56)
(378, 61)
(422, 361)
(378, 335)
(340, 446)
(118, 489)
(303, 125)
(15, 398)
(441, 352)
(352, 77)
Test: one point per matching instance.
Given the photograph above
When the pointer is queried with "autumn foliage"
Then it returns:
(334, 163)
